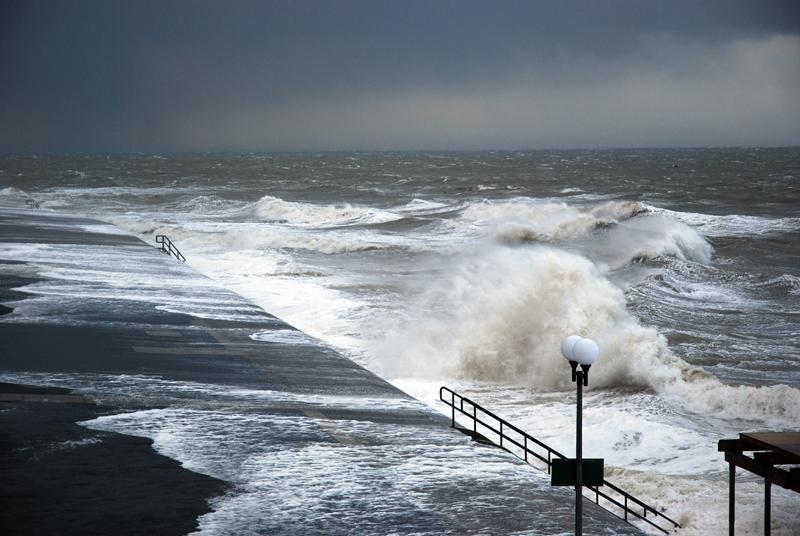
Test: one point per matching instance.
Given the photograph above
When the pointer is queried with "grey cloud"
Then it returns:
(297, 75)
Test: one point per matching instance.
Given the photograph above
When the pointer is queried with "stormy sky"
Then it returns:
(128, 76)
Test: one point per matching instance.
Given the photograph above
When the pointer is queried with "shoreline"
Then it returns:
(62, 478)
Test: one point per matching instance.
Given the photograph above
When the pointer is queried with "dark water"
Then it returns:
(754, 192)
(469, 268)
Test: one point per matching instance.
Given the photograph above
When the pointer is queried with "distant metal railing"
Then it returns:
(32, 203)
(527, 443)
(169, 248)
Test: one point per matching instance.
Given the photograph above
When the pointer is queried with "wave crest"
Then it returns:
(551, 221)
(656, 237)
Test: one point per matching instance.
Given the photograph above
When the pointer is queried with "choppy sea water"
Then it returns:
(467, 269)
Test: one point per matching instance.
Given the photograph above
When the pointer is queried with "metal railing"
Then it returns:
(533, 448)
(169, 248)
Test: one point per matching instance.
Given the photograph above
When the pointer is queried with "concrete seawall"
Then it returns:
(305, 440)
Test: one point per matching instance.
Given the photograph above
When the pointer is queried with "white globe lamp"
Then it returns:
(568, 345)
(585, 352)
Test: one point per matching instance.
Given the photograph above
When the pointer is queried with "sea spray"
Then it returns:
(502, 313)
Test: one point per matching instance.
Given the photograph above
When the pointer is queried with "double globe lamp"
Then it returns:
(584, 352)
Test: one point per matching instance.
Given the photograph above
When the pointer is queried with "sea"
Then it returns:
(467, 269)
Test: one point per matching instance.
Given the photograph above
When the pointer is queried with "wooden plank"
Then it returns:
(784, 442)
(773, 458)
(781, 477)
(729, 445)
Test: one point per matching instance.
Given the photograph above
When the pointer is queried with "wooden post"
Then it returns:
(767, 501)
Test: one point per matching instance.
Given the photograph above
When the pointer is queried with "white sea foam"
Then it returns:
(72, 275)
(293, 474)
(313, 303)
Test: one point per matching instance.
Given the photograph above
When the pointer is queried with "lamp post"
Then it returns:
(583, 352)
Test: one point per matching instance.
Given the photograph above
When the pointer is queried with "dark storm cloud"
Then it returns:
(123, 76)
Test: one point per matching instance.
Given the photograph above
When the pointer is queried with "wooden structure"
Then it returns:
(775, 456)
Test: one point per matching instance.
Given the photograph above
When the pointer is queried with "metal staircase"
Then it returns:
(528, 448)
(169, 248)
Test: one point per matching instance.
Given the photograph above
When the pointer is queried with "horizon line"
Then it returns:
(46, 154)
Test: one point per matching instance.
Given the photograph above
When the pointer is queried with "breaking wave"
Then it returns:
(626, 238)
(274, 209)
(731, 225)
(501, 317)
(550, 221)
(654, 237)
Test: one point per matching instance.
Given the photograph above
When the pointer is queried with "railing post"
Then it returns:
(626, 507)
(474, 422)
(453, 407)
(526, 450)
(731, 497)
(501, 434)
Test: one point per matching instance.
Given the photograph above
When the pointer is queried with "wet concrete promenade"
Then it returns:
(305, 440)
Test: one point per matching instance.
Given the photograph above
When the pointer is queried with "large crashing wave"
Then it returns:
(501, 316)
